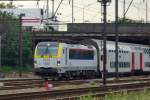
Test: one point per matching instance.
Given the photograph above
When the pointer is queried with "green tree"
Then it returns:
(127, 20)
(9, 39)
(9, 29)
(27, 49)
(8, 5)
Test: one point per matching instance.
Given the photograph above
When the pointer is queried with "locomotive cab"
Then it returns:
(65, 60)
(47, 58)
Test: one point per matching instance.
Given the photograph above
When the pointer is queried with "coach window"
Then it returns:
(101, 57)
(124, 64)
(119, 51)
(112, 64)
(119, 64)
(147, 64)
(149, 51)
(144, 51)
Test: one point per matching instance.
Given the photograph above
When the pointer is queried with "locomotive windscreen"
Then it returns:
(49, 49)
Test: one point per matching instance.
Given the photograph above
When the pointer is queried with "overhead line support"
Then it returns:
(104, 4)
(116, 38)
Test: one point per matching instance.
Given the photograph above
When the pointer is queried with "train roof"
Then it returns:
(111, 44)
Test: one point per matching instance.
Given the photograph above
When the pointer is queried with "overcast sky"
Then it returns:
(90, 10)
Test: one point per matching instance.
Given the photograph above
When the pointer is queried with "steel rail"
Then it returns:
(11, 85)
(22, 0)
(57, 94)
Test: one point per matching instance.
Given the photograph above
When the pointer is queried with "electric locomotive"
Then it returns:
(65, 60)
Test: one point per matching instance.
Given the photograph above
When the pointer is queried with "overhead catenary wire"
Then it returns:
(92, 9)
(128, 8)
(57, 8)
(138, 6)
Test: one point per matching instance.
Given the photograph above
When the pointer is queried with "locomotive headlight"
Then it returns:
(58, 63)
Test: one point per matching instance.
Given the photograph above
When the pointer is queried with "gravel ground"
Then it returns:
(2, 92)
(16, 75)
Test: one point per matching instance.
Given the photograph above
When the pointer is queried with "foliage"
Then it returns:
(141, 95)
(27, 49)
(8, 5)
(128, 21)
(7, 69)
(10, 40)
(88, 97)
(123, 95)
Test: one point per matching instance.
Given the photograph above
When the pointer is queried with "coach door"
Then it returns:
(101, 60)
(66, 56)
(136, 58)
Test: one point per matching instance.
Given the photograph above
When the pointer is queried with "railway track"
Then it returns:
(20, 84)
(73, 94)
(33, 83)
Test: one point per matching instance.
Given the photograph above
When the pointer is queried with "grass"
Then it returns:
(8, 69)
(88, 97)
(141, 95)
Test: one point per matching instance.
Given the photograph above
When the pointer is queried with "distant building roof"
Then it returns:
(33, 16)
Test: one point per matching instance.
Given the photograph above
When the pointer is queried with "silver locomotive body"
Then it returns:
(61, 59)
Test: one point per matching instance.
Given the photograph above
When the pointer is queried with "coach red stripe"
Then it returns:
(133, 62)
(141, 60)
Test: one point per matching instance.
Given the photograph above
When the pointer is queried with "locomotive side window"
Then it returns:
(63, 51)
(81, 54)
